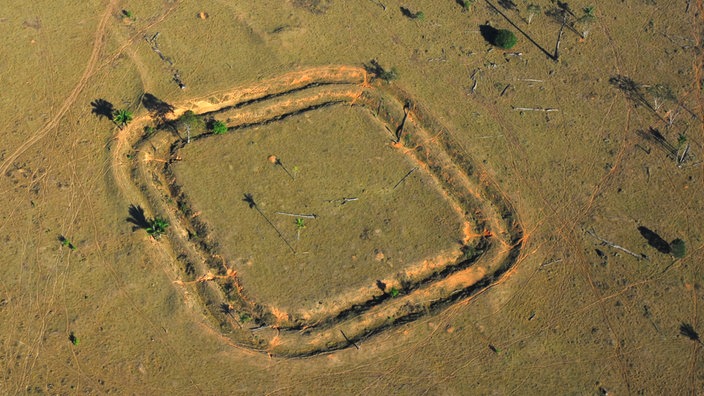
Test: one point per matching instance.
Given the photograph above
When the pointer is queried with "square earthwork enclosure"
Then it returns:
(335, 212)
(328, 203)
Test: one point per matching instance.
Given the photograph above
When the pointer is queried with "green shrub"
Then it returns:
(589, 14)
(466, 4)
(505, 39)
(677, 248)
(418, 15)
(65, 242)
(219, 127)
(245, 317)
(389, 75)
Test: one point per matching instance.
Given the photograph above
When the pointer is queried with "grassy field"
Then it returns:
(597, 147)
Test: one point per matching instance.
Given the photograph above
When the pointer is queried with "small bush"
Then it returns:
(245, 317)
(419, 16)
(219, 127)
(466, 4)
(389, 75)
(677, 248)
(505, 39)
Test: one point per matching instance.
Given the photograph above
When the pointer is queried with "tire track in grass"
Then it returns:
(98, 44)
(58, 280)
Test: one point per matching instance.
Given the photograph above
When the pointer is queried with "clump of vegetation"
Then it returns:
(533, 10)
(66, 243)
(660, 93)
(128, 14)
(677, 248)
(74, 340)
(157, 227)
(191, 120)
(589, 14)
(468, 252)
(682, 149)
(300, 225)
(149, 131)
(122, 117)
(466, 4)
(586, 19)
(505, 39)
(191, 123)
(218, 127)
(245, 317)
(412, 15)
(377, 70)
(389, 75)
(394, 292)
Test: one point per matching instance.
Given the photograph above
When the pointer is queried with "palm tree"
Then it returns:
(157, 226)
(122, 117)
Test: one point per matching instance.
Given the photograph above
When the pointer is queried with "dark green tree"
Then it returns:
(505, 39)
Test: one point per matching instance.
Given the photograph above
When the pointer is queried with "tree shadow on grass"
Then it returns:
(138, 218)
(102, 108)
(489, 33)
(494, 8)
(407, 13)
(688, 331)
(655, 240)
(157, 107)
(632, 90)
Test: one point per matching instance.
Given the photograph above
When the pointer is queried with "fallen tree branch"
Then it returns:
(548, 110)
(615, 246)
(305, 216)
